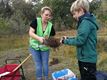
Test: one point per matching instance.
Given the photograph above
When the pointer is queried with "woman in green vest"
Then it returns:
(40, 28)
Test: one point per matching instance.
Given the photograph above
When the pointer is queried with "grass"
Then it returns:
(13, 42)
(65, 54)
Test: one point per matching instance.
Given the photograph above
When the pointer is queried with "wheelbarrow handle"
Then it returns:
(12, 59)
(22, 63)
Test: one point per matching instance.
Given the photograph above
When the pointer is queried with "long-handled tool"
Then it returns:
(22, 63)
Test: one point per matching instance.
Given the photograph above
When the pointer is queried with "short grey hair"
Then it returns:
(84, 4)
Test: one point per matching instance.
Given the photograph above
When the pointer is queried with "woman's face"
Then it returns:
(46, 16)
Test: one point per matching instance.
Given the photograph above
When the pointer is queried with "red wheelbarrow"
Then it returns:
(13, 71)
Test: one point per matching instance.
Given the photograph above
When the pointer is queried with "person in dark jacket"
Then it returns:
(86, 39)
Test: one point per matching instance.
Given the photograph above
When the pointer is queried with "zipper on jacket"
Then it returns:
(82, 53)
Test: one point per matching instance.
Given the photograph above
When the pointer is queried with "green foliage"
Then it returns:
(16, 17)
(105, 17)
(3, 23)
(95, 5)
(4, 26)
(5, 10)
(25, 8)
(102, 17)
(19, 14)
(17, 23)
(61, 11)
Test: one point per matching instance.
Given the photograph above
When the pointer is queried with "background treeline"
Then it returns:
(16, 15)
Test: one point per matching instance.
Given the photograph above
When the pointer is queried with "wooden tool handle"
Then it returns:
(22, 63)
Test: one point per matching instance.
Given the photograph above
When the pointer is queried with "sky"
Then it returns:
(90, 0)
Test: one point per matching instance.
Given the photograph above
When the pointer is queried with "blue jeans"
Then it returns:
(41, 59)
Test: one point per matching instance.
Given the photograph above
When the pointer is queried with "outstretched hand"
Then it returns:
(62, 39)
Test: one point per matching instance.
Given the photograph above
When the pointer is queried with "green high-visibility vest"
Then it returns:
(36, 44)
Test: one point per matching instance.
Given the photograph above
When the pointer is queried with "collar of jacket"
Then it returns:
(87, 14)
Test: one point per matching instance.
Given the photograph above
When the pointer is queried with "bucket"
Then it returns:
(65, 74)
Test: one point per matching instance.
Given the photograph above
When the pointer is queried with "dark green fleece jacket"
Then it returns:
(86, 38)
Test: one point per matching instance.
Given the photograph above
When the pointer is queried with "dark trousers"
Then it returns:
(87, 70)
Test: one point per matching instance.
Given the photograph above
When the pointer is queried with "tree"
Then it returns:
(95, 5)
(18, 15)
(17, 23)
(25, 8)
(61, 11)
(5, 9)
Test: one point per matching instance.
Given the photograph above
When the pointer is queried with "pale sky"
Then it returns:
(90, 0)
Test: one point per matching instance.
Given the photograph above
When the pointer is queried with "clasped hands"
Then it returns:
(45, 41)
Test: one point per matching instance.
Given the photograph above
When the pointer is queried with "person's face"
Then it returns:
(77, 14)
(46, 16)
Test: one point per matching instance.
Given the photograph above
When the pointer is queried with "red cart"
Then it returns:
(12, 71)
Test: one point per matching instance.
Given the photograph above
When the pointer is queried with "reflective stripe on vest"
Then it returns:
(36, 44)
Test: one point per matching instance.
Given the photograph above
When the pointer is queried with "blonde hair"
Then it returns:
(84, 4)
(46, 8)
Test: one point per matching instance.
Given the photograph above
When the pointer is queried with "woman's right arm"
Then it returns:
(33, 35)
